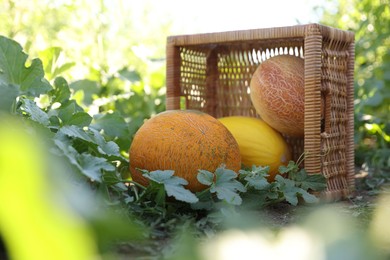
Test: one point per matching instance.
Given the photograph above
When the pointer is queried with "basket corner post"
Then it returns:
(350, 143)
(173, 90)
(312, 115)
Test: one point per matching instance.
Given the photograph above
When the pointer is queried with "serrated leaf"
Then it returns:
(315, 182)
(291, 167)
(227, 194)
(233, 185)
(34, 112)
(257, 182)
(113, 124)
(224, 175)
(88, 165)
(13, 69)
(61, 91)
(256, 178)
(180, 193)
(109, 148)
(226, 186)
(307, 197)
(8, 95)
(75, 132)
(67, 109)
(93, 139)
(260, 170)
(64, 149)
(92, 166)
(173, 185)
(80, 119)
(67, 150)
(205, 177)
(291, 197)
(160, 176)
(291, 191)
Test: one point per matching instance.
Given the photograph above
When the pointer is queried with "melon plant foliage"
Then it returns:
(93, 147)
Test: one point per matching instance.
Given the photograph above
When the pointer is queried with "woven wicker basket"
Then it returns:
(211, 72)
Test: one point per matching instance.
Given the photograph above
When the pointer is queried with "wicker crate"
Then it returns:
(211, 72)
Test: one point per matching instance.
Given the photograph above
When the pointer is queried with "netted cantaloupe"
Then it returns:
(277, 93)
(184, 141)
(260, 144)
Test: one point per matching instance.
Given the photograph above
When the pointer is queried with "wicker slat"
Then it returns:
(211, 72)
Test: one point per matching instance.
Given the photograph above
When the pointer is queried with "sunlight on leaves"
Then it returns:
(12, 67)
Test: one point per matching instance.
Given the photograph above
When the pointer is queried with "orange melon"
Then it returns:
(277, 93)
(184, 141)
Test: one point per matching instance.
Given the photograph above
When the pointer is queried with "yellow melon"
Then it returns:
(260, 144)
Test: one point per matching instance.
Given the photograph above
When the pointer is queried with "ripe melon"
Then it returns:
(277, 93)
(260, 144)
(184, 141)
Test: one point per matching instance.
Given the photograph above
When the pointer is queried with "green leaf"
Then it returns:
(173, 185)
(88, 165)
(113, 124)
(109, 148)
(34, 112)
(289, 189)
(160, 176)
(225, 176)
(205, 177)
(291, 167)
(292, 192)
(61, 91)
(315, 182)
(307, 197)
(88, 87)
(80, 119)
(175, 188)
(8, 95)
(13, 69)
(257, 182)
(75, 132)
(226, 186)
(67, 109)
(93, 139)
(51, 60)
(130, 75)
(92, 166)
(256, 178)
(64, 149)
(227, 193)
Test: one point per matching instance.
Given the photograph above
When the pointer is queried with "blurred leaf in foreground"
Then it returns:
(33, 224)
